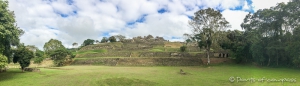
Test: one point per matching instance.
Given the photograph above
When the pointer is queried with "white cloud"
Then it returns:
(262, 4)
(165, 25)
(235, 18)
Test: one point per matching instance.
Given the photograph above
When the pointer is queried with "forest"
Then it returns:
(270, 37)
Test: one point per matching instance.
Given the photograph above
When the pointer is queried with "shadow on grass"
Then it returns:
(10, 73)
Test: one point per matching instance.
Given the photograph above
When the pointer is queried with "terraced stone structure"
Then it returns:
(140, 51)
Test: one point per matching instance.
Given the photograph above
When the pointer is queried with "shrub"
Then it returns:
(183, 48)
(3, 61)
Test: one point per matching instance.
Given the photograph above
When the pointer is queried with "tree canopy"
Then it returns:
(53, 45)
(104, 40)
(59, 56)
(9, 32)
(119, 37)
(112, 39)
(88, 42)
(272, 35)
(207, 26)
(23, 55)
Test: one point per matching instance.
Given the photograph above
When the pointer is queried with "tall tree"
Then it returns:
(9, 32)
(53, 45)
(88, 42)
(208, 24)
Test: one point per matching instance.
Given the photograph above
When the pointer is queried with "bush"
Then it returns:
(73, 55)
(3, 61)
(39, 56)
(38, 60)
(183, 48)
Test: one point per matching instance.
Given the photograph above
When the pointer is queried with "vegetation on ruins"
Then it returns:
(104, 40)
(56, 51)
(112, 39)
(88, 42)
(120, 37)
(59, 56)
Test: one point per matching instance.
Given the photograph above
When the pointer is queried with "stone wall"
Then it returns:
(140, 61)
(106, 54)
(140, 54)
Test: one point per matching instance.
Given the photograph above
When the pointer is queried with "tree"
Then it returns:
(207, 26)
(120, 37)
(23, 56)
(149, 37)
(9, 32)
(59, 56)
(188, 41)
(39, 56)
(32, 48)
(3, 61)
(52, 45)
(88, 42)
(97, 41)
(112, 39)
(75, 44)
(238, 45)
(104, 40)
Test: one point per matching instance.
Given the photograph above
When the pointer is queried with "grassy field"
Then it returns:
(149, 76)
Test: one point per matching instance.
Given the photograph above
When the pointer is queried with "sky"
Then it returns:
(77, 20)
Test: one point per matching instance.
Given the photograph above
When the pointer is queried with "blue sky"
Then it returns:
(76, 20)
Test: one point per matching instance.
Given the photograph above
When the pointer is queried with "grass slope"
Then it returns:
(147, 76)
(91, 51)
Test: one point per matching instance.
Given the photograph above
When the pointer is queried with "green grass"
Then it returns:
(217, 75)
(91, 51)
(157, 50)
(164, 49)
